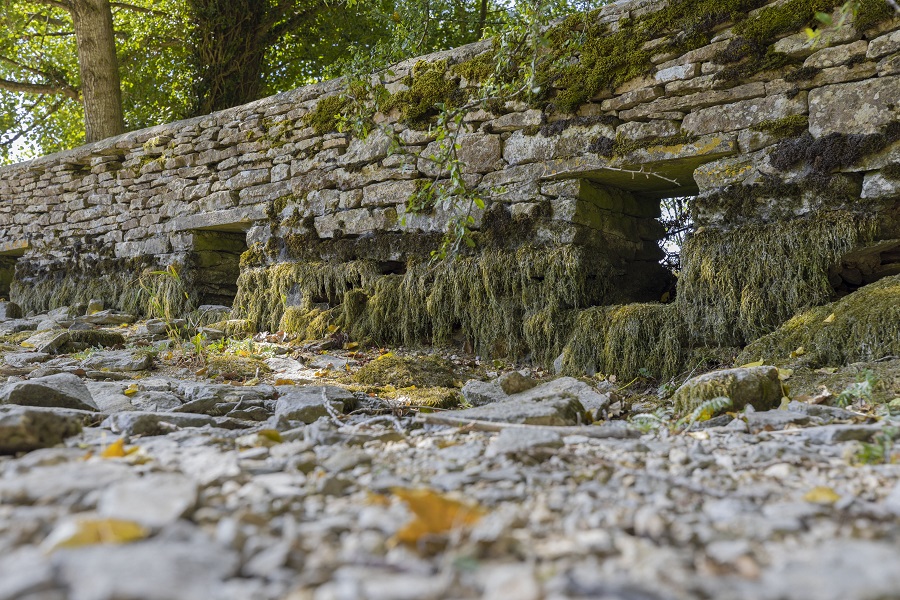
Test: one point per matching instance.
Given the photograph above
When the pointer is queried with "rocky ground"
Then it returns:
(233, 467)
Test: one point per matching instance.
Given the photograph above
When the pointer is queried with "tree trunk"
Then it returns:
(100, 84)
(229, 48)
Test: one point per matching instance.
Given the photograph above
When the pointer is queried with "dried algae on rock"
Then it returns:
(741, 283)
(862, 326)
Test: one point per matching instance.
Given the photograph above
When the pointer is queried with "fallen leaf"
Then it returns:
(86, 532)
(131, 390)
(798, 352)
(435, 514)
(756, 363)
(351, 345)
(114, 450)
(285, 382)
(829, 318)
(827, 370)
(822, 495)
(785, 374)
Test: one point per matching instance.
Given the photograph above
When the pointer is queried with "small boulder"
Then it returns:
(589, 398)
(309, 403)
(108, 317)
(554, 410)
(759, 387)
(155, 500)
(514, 382)
(23, 429)
(118, 360)
(148, 423)
(62, 390)
(524, 441)
(10, 310)
(479, 393)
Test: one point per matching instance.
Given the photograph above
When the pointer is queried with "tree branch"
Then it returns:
(56, 106)
(63, 4)
(37, 88)
(138, 9)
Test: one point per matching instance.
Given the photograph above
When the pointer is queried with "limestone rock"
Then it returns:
(10, 310)
(118, 360)
(23, 429)
(552, 410)
(308, 403)
(108, 317)
(154, 500)
(514, 382)
(47, 341)
(479, 393)
(152, 570)
(854, 108)
(587, 396)
(759, 387)
(523, 440)
(62, 390)
(148, 423)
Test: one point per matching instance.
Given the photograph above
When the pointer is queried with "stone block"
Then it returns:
(859, 107)
(677, 72)
(884, 45)
(744, 114)
(877, 186)
(837, 55)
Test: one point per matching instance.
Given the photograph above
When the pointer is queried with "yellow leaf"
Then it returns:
(435, 514)
(822, 495)
(131, 390)
(270, 434)
(785, 374)
(829, 318)
(114, 450)
(757, 363)
(320, 373)
(285, 382)
(785, 401)
(85, 532)
(332, 328)
(798, 352)
(351, 345)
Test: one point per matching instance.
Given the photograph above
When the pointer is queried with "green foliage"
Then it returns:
(704, 411)
(429, 88)
(880, 451)
(861, 390)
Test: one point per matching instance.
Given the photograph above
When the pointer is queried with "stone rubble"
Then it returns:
(264, 491)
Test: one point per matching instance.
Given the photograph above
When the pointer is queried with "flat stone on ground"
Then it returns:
(553, 410)
(47, 341)
(62, 390)
(154, 500)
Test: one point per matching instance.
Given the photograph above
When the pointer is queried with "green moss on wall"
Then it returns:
(740, 284)
(862, 326)
(428, 87)
(786, 127)
(326, 116)
(628, 340)
(484, 299)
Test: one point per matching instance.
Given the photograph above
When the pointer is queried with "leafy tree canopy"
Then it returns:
(179, 58)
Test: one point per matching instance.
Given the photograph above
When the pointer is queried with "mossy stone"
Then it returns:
(407, 371)
(759, 387)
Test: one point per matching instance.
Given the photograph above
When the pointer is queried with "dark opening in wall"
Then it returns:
(7, 271)
(866, 265)
(675, 217)
(217, 265)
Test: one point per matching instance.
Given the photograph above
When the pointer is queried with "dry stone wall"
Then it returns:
(795, 169)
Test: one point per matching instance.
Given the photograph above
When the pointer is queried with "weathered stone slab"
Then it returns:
(743, 114)
(859, 107)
